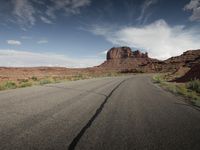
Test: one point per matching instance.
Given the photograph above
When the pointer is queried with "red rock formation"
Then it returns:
(119, 53)
(187, 59)
(124, 59)
(124, 52)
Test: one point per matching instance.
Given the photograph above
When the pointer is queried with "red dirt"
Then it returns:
(16, 74)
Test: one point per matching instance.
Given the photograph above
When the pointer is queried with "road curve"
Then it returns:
(114, 113)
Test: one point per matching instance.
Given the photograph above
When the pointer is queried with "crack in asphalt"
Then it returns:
(77, 138)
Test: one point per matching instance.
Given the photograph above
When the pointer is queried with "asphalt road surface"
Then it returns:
(119, 113)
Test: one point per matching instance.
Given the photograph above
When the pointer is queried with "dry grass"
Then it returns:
(34, 80)
(189, 90)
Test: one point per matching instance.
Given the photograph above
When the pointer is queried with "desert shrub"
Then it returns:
(194, 85)
(158, 79)
(8, 85)
(172, 88)
(181, 89)
(45, 81)
(25, 84)
(34, 78)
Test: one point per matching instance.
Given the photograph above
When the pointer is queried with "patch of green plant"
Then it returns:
(158, 79)
(45, 81)
(34, 78)
(8, 85)
(194, 85)
(25, 84)
(190, 90)
(182, 89)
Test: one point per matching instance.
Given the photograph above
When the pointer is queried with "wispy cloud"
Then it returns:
(24, 12)
(46, 20)
(194, 6)
(13, 42)
(68, 6)
(146, 5)
(42, 41)
(27, 12)
(159, 39)
(15, 58)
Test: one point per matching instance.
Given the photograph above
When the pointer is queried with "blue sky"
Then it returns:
(77, 33)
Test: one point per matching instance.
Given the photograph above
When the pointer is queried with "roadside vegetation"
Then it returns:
(190, 90)
(32, 81)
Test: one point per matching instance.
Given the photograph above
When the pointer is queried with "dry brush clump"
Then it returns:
(194, 85)
(190, 90)
(8, 85)
(34, 80)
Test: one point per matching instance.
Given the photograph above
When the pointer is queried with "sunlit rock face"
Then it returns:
(124, 59)
(124, 52)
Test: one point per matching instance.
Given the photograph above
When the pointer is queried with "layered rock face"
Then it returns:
(187, 59)
(125, 60)
(124, 52)
(119, 53)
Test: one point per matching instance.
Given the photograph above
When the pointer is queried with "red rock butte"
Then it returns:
(123, 59)
(124, 52)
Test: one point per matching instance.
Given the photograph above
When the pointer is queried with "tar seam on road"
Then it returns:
(92, 119)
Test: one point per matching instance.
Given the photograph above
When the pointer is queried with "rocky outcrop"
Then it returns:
(119, 53)
(124, 59)
(187, 59)
(123, 53)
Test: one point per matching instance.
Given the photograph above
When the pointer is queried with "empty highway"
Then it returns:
(113, 113)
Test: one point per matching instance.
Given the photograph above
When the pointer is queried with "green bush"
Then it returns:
(34, 78)
(158, 79)
(194, 85)
(45, 81)
(181, 89)
(8, 85)
(25, 84)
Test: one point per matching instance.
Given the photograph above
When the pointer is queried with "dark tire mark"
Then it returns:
(75, 141)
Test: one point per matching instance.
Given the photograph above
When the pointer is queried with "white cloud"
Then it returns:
(46, 20)
(24, 12)
(13, 42)
(194, 6)
(42, 41)
(159, 39)
(14, 58)
(103, 52)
